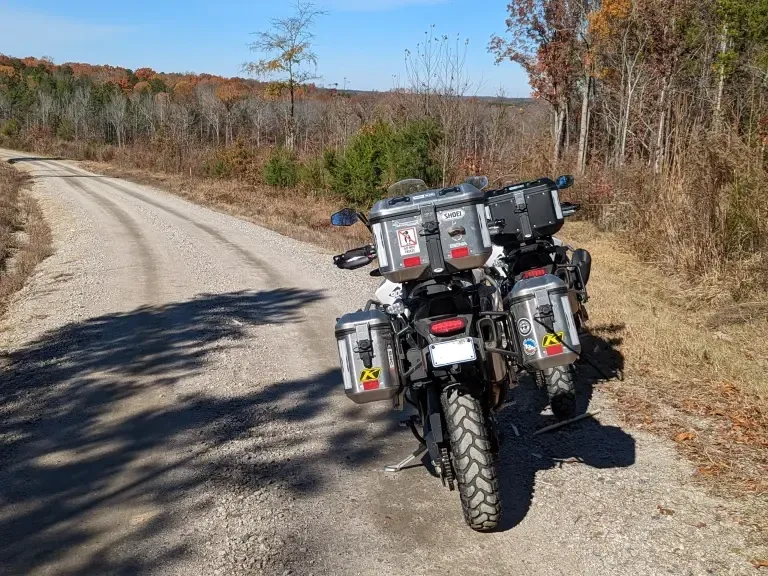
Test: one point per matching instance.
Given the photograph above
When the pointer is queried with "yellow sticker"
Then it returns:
(553, 339)
(370, 374)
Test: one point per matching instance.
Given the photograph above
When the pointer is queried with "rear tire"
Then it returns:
(561, 390)
(474, 460)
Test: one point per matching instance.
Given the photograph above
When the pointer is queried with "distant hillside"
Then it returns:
(147, 79)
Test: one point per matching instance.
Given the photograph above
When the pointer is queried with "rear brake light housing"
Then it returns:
(448, 327)
(535, 273)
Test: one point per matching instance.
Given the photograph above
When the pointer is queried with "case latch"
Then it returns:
(364, 344)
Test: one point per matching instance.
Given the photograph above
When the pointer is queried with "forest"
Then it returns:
(659, 107)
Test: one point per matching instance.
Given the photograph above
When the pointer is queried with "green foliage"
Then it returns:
(379, 155)
(281, 169)
(314, 175)
(360, 174)
(11, 128)
(412, 152)
(156, 85)
(65, 130)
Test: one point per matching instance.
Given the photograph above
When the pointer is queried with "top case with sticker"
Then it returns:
(408, 241)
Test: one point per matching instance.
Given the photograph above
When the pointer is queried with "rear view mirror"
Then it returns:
(564, 182)
(479, 182)
(345, 217)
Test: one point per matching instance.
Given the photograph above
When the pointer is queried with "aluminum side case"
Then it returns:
(367, 356)
(543, 320)
(431, 233)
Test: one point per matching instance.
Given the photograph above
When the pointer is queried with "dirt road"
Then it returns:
(171, 404)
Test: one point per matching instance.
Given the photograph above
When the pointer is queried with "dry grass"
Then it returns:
(25, 239)
(701, 386)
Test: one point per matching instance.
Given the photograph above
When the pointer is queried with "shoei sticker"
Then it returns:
(529, 345)
(370, 374)
(524, 326)
(553, 340)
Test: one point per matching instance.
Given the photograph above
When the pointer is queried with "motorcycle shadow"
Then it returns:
(586, 442)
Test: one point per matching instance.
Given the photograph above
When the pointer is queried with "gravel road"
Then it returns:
(171, 404)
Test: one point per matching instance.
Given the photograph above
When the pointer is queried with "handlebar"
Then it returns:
(356, 258)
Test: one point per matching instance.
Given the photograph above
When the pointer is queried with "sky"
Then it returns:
(360, 40)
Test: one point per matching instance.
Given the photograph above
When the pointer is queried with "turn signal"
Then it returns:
(448, 327)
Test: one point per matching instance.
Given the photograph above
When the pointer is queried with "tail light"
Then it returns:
(411, 262)
(448, 327)
(535, 273)
(460, 252)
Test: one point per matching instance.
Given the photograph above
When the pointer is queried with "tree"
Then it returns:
(287, 50)
(542, 37)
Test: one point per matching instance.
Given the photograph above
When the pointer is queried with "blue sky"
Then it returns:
(363, 41)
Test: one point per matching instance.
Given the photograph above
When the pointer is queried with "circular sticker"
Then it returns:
(529, 345)
(524, 326)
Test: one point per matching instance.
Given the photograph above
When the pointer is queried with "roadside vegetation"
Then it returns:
(25, 239)
(659, 107)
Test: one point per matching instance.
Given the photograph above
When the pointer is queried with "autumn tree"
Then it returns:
(542, 37)
(287, 53)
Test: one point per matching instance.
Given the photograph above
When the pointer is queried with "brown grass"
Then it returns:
(25, 239)
(703, 387)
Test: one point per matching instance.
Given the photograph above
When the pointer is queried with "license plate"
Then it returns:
(454, 352)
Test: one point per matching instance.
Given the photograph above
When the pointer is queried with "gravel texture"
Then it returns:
(171, 404)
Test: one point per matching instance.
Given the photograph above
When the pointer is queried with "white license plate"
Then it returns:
(454, 352)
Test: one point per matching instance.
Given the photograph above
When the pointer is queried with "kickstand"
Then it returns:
(400, 465)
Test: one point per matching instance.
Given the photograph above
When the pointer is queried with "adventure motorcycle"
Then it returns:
(543, 282)
(456, 319)
(439, 342)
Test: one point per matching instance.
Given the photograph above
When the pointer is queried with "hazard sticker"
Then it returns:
(408, 240)
(370, 374)
(553, 340)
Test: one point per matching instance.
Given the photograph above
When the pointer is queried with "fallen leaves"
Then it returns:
(684, 437)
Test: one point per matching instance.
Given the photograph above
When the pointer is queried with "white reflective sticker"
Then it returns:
(481, 213)
(556, 200)
(345, 365)
(381, 248)
(569, 321)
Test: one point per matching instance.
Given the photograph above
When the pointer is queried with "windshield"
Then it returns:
(406, 187)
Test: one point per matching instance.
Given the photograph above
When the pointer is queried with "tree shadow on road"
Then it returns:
(74, 440)
(586, 442)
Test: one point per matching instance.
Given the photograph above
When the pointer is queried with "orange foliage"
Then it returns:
(230, 92)
(602, 22)
(145, 74)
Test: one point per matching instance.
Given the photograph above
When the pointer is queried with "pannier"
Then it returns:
(525, 212)
(541, 312)
(431, 233)
(367, 356)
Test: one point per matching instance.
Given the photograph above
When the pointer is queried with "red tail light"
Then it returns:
(460, 252)
(411, 262)
(448, 327)
(535, 273)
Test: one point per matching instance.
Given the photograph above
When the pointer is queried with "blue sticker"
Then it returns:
(529, 345)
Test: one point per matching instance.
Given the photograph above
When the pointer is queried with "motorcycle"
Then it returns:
(436, 337)
(476, 291)
(543, 283)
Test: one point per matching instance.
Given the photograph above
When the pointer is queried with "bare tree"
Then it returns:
(115, 111)
(287, 50)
